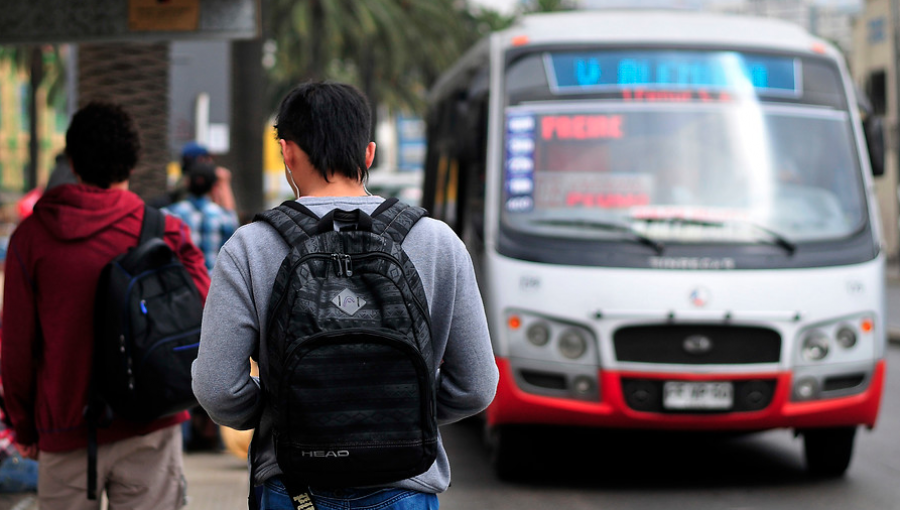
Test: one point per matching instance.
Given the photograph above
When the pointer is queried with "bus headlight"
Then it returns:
(815, 346)
(538, 334)
(572, 344)
(846, 337)
(538, 337)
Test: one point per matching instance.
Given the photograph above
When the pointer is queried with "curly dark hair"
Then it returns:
(331, 122)
(103, 143)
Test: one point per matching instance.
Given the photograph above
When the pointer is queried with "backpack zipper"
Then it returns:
(342, 264)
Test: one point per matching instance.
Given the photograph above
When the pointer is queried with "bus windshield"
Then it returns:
(680, 146)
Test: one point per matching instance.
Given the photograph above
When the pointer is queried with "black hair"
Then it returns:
(332, 123)
(103, 143)
(201, 178)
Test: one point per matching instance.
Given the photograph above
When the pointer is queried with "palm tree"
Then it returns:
(391, 49)
(484, 20)
(397, 72)
(549, 5)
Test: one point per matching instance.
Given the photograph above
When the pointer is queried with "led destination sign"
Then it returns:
(581, 127)
(571, 72)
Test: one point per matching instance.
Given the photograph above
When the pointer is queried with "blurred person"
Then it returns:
(323, 130)
(211, 224)
(25, 205)
(56, 256)
(193, 154)
(61, 174)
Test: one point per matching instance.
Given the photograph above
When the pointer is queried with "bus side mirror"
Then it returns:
(873, 127)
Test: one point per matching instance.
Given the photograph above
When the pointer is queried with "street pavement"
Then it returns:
(216, 481)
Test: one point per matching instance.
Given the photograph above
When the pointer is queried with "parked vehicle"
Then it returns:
(672, 221)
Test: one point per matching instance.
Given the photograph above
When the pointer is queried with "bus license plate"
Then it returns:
(698, 395)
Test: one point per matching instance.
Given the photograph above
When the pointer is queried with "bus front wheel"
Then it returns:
(828, 451)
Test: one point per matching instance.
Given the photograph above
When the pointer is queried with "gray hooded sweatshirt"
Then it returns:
(234, 327)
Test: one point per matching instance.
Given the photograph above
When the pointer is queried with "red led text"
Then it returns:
(607, 200)
(581, 127)
(652, 96)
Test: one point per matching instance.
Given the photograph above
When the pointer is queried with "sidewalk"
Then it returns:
(215, 481)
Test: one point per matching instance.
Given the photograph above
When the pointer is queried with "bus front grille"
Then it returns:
(697, 344)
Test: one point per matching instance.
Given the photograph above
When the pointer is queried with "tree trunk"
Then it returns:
(136, 76)
(248, 121)
(37, 76)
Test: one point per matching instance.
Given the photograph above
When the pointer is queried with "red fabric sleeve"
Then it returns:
(17, 356)
(178, 236)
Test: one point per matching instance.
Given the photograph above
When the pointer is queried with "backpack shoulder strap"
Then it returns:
(293, 221)
(153, 225)
(395, 219)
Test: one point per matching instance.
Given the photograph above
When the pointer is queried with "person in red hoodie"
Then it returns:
(54, 261)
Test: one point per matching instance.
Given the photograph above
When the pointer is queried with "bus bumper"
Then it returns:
(514, 406)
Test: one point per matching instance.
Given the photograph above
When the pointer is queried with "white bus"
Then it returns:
(673, 225)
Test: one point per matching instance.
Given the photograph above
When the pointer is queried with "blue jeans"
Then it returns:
(18, 474)
(275, 497)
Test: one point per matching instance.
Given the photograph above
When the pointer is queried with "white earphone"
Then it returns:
(294, 187)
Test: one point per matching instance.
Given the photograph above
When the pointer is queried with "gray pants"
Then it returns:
(138, 473)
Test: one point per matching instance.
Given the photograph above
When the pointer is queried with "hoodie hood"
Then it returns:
(77, 211)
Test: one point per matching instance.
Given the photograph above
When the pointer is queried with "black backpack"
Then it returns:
(147, 313)
(351, 369)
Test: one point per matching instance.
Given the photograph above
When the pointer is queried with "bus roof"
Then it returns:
(642, 26)
(662, 27)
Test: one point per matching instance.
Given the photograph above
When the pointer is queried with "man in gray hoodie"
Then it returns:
(323, 130)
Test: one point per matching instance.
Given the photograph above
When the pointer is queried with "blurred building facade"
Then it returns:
(14, 129)
(831, 22)
(875, 72)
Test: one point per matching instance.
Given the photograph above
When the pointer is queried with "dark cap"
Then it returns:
(190, 153)
(193, 149)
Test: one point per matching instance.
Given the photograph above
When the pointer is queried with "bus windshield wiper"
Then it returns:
(603, 225)
(779, 240)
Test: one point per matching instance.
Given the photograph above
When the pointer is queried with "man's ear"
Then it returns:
(286, 151)
(370, 154)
